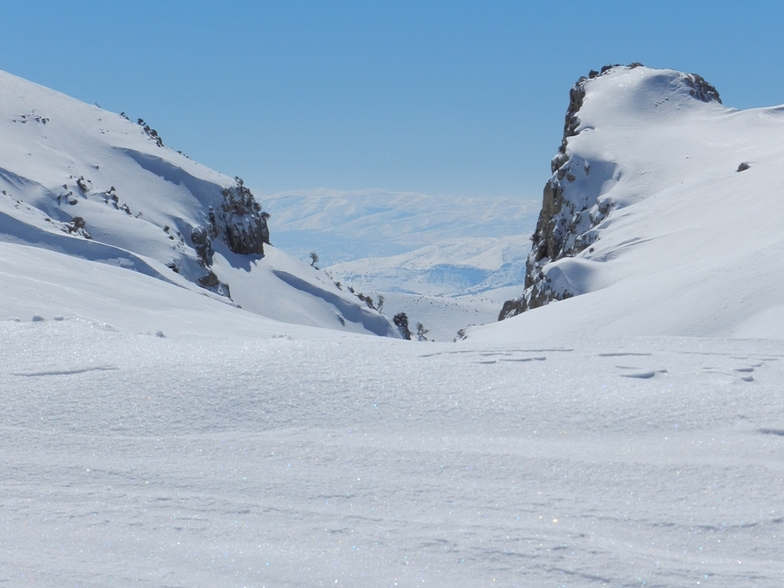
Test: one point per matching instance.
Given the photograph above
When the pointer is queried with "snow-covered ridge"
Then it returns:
(85, 182)
(662, 211)
(575, 198)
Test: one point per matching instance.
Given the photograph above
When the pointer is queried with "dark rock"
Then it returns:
(401, 322)
(243, 224)
(700, 89)
(209, 281)
(212, 283)
(203, 244)
(77, 227)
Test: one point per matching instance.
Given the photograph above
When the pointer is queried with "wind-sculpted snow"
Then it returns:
(16, 231)
(16, 181)
(371, 321)
(206, 192)
(136, 459)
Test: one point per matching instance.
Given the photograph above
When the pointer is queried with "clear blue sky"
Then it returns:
(441, 97)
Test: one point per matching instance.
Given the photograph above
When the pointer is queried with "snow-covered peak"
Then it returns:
(625, 94)
(659, 192)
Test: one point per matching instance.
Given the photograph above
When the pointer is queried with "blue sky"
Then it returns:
(461, 98)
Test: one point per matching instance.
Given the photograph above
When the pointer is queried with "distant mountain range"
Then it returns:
(345, 226)
(447, 262)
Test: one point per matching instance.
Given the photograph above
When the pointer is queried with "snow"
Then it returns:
(156, 434)
(136, 459)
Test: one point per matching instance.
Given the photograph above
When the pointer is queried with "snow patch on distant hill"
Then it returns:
(450, 267)
(345, 226)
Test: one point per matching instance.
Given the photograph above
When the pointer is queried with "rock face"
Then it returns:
(241, 221)
(572, 204)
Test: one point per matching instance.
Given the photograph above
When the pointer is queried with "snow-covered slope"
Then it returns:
(83, 182)
(662, 216)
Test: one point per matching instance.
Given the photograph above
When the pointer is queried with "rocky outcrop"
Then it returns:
(700, 89)
(572, 203)
(200, 238)
(242, 225)
(241, 221)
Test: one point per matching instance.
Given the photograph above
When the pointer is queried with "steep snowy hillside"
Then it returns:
(662, 215)
(83, 182)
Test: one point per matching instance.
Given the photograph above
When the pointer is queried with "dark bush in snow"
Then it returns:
(401, 322)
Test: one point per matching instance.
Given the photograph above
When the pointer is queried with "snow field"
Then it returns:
(135, 459)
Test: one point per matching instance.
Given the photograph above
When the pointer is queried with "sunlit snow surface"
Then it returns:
(135, 459)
